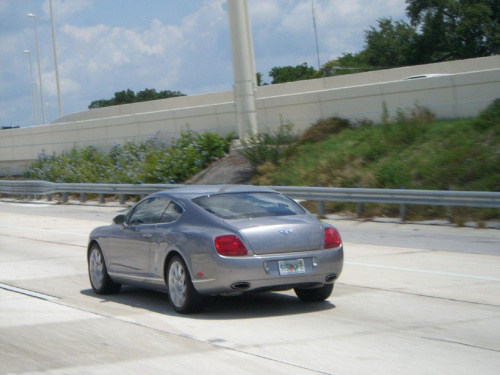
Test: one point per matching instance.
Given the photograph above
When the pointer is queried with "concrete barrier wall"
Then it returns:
(462, 93)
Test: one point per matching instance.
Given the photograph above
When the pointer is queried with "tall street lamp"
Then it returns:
(39, 68)
(243, 67)
(55, 61)
(33, 89)
(315, 32)
(49, 112)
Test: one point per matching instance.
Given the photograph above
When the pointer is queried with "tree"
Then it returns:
(455, 29)
(124, 97)
(392, 44)
(128, 96)
(168, 94)
(439, 30)
(282, 74)
(258, 78)
(347, 64)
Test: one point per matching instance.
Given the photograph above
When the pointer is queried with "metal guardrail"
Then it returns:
(395, 196)
(24, 187)
(39, 188)
(401, 197)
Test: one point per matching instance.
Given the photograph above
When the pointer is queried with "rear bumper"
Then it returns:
(256, 273)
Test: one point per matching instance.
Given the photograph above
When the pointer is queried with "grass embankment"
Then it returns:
(412, 151)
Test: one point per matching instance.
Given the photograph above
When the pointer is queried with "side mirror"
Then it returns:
(120, 219)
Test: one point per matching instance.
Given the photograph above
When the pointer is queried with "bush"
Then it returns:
(323, 128)
(407, 126)
(151, 161)
(489, 117)
(265, 147)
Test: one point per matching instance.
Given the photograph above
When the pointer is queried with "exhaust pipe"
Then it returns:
(331, 277)
(240, 286)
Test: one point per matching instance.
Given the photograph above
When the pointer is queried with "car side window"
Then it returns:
(149, 211)
(172, 213)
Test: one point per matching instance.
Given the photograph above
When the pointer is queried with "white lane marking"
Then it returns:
(484, 278)
(43, 230)
(28, 292)
(30, 205)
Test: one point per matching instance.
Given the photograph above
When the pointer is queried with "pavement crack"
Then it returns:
(461, 343)
(420, 295)
(45, 241)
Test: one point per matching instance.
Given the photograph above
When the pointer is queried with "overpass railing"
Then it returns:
(401, 197)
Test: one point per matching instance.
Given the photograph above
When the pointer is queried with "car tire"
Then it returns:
(183, 297)
(98, 273)
(314, 294)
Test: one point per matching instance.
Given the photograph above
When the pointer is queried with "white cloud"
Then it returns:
(298, 20)
(99, 50)
(63, 9)
(191, 54)
(264, 13)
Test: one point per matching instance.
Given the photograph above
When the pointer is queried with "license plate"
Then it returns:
(291, 267)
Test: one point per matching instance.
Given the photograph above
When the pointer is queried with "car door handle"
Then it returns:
(147, 235)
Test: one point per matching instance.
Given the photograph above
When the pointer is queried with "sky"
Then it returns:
(106, 46)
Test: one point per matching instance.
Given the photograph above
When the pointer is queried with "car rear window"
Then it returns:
(249, 205)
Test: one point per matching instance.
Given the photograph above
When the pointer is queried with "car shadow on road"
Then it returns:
(247, 306)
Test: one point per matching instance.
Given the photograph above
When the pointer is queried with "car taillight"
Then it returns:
(230, 245)
(332, 238)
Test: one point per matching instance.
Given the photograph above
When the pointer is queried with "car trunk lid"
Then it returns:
(277, 235)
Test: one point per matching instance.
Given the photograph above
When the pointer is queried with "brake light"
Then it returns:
(230, 245)
(332, 238)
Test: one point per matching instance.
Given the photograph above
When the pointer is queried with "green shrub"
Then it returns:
(489, 117)
(407, 126)
(323, 128)
(151, 161)
(265, 147)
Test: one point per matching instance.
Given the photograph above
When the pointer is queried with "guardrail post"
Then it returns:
(320, 208)
(402, 209)
(49, 197)
(65, 197)
(449, 209)
(82, 197)
(102, 199)
(359, 205)
(402, 212)
(122, 198)
(359, 208)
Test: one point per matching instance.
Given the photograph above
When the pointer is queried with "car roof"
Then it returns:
(194, 191)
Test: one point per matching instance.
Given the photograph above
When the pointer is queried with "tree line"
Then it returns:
(128, 96)
(439, 30)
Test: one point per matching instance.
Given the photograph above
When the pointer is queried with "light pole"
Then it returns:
(315, 32)
(39, 68)
(55, 61)
(49, 113)
(33, 89)
(243, 67)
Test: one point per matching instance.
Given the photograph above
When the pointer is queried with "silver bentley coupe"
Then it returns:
(194, 242)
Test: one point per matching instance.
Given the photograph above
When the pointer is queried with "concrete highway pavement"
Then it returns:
(411, 300)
